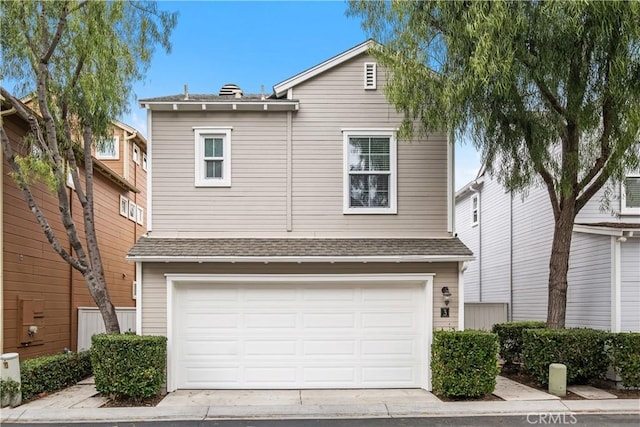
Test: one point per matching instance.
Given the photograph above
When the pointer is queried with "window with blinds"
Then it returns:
(213, 157)
(370, 173)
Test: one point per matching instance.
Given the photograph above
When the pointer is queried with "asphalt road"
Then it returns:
(486, 421)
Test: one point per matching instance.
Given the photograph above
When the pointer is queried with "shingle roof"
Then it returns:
(184, 248)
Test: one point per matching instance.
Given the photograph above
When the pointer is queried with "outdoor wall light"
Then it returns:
(33, 329)
(446, 294)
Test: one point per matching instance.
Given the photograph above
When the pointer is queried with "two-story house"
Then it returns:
(511, 237)
(295, 241)
(46, 305)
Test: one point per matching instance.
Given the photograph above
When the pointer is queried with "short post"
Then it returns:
(558, 379)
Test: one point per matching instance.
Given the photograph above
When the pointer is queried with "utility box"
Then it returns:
(10, 370)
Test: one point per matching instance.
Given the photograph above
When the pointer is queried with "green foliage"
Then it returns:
(510, 339)
(583, 351)
(625, 357)
(51, 373)
(549, 91)
(464, 363)
(8, 387)
(128, 365)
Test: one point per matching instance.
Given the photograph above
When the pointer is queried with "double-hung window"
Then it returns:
(630, 194)
(370, 171)
(213, 157)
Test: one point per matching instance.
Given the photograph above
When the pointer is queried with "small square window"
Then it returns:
(108, 149)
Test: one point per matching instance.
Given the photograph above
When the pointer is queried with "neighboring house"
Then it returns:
(511, 238)
(294, 241)
(39, 288)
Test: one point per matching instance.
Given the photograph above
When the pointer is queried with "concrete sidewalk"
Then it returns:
(80, 403)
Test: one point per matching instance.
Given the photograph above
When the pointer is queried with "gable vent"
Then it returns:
(370, 75)
(231, 89)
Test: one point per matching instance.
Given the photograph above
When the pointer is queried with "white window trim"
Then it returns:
(140, 215)
(116, 146)
(136, 154)
(393, 179)
(132, 211)
(144, 162)
(624, 210)
(374, 84)
(124, 206)
(476, 210)
(201, 132)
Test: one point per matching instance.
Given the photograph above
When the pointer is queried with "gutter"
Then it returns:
(301, 259)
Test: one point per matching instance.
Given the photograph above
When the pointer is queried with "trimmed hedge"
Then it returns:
(464, 363)
(624, 350)
(128, 365)
(510, 339)
(51, 373)
(581, 350)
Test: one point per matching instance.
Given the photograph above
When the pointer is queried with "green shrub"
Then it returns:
(510, 339)
(624, 351)
(9, 392)
(128, 365)
(464, 363)
(51, 373)
(581, 350)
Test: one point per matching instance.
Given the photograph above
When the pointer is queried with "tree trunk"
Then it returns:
(559, 268)
(98, 290)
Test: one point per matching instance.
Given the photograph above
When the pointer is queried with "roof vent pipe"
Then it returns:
(186, 92)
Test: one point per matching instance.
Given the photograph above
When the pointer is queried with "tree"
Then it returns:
(548, 91)
(80, 58)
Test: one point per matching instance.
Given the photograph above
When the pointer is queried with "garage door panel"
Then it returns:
(300, 335)
(328, 320)
(334, 348)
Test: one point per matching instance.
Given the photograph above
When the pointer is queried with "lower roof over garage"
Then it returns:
(149, 249)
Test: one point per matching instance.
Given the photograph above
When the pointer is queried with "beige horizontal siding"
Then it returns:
(154, 284)
(335, 101)
(256, 202)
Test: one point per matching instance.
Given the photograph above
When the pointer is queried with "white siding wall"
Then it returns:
(533, 233)
(469, 235)
(495, 242)
(595, 211)
(589, 293)
(630, 284)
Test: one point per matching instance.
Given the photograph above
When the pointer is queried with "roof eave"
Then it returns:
(304, 259)
(219, 105)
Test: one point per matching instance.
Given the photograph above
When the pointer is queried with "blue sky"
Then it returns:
(254, 43)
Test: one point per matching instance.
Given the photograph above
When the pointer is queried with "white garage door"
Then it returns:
(260, 336)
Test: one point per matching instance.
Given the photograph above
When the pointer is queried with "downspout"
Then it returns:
(73, 312)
